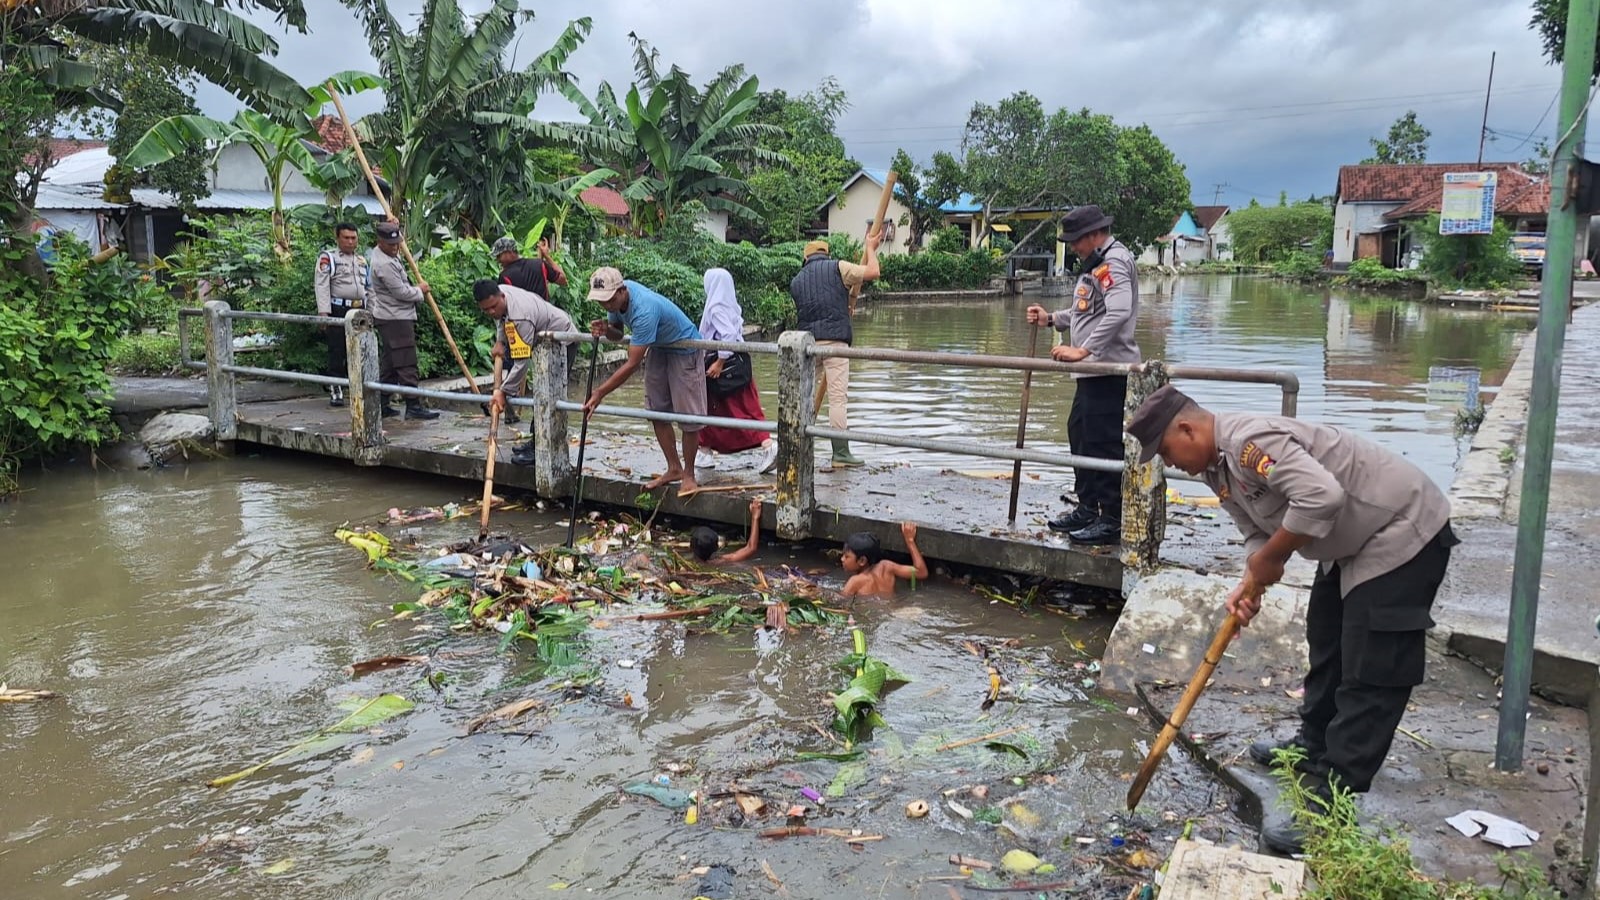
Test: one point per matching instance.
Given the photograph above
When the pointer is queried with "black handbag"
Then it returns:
(736, 374)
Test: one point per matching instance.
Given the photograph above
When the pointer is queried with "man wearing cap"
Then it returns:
(1379, 530)
(519, 316)
(821, 293)
(341, 285)
(1099, 326)
(532, 275)
(394, 313)
(674, 377)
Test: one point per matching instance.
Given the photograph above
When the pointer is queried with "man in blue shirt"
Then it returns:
(674, 378)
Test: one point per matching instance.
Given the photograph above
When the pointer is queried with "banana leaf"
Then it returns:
(367, 714)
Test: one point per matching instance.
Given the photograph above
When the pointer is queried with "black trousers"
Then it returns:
(1094, 428)
(1368, 650)
(338, 358)
(397, 356)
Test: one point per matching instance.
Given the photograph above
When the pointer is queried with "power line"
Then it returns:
(1535, 132)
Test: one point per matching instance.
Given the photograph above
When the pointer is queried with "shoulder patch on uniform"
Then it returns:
(323, 261)
(1256, 459)
(1102, 274)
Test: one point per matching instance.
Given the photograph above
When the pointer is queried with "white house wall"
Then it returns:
(238, 169)
(1353, 219)
(851, 214)
(1221, 240)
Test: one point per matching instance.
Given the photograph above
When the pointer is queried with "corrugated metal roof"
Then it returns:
(72, 196)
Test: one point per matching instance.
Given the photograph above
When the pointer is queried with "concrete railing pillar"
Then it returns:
(366, 405)
(1144, 487)
(547, 383)
(797, 462)
(221, 386)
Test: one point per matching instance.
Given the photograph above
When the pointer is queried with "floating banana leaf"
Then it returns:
(366, 715)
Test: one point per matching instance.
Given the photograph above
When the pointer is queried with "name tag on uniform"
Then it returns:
(515, 344)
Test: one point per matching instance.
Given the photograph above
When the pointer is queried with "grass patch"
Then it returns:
(144, 354)
(1350, 862)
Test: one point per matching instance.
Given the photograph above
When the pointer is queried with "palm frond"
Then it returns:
(480, 48)
(211, 16)
(172, 136)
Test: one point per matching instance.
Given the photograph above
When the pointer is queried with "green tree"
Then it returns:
(204, 35)
(1550, 22)
(1407, 142)
(924, 191)
(675, 143)
(1538, 163)
(1263, 234)
(279, 145)
(787, 198)
(453, 136)
(1468, 260)
(1154, 190)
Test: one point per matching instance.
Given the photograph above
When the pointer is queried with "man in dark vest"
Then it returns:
(821, 295)
(1099, 326)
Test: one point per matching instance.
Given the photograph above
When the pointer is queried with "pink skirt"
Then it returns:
(743, 404)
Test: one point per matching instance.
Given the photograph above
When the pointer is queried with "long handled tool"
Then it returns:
(1022, 427)
(355, 143)
(489, 455)
(583, 444)
(855, 292)
(1169, 732)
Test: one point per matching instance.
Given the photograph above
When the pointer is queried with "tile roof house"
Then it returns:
(1371, 202)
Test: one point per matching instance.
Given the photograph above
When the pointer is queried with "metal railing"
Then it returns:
(1144, 493)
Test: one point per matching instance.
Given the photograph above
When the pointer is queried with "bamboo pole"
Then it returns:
(372, 179)
(1022, 428)
(489, 455)
(1169, 731)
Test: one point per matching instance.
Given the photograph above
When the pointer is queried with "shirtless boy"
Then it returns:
(870, 574)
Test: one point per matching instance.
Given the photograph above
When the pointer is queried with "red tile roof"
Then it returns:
(331, 133)
(1419, 189)
(1207, 216)
(606, 200)
(63, 147)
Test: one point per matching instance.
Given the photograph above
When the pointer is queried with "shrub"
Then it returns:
(1468, 260)
(933, 270)
(1300, 266)
(145, 354)
(948, 239)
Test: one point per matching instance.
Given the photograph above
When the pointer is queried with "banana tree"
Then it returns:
(223, 47)
(675, 142)
(279, 145)
(438, 138)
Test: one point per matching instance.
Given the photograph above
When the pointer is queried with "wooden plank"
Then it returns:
(1200, 871)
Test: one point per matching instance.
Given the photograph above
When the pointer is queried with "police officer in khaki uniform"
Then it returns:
(1099, 326)
(342, 284)
(394, 302)
(1379, 529)
(519, 317)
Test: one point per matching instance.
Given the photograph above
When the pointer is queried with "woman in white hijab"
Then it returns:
(730, 383)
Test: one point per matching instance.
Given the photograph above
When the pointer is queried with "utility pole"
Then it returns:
(1577, 68)
(1216, 196)
(1483, 130)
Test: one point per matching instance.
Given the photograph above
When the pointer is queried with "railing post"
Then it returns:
(547, 383)
(221, 386)
(184, 350)
(366, 406)
(797, 455)
(1144, 487)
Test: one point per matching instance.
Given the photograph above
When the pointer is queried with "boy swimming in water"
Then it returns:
(870, 574)
(703, 541)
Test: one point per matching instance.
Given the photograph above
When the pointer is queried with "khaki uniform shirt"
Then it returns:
(527, 314)
(393, 296)
(853, 274)
(341, 276)
(1104, 310)
(1366, 509)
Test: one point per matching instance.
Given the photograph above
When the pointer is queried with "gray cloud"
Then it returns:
(1260, 95)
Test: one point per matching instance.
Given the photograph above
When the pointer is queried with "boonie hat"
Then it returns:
(604, 283)
(1081, 221)
(815, 247)
(504, 245)
(1150, 420)
(388, 232)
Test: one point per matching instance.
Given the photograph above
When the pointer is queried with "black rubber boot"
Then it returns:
(415, 410)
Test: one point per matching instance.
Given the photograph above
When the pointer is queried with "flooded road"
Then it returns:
(198, 621)
(1363, 362)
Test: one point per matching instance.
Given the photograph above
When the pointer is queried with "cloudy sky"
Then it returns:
(1254, 96)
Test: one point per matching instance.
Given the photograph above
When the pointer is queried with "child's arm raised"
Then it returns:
(919, 566)
(754, 543)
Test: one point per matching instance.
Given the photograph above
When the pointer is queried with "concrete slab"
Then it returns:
(1202, 871)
